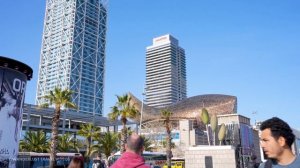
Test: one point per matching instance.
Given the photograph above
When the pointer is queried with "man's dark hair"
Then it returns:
(135, 143)
(279, 128)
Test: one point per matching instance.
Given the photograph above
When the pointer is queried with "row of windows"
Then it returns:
(158, 70)
(162, 58)
(157, 75)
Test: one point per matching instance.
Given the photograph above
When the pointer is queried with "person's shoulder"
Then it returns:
(268, 163)
(262, 165)
(297, 162)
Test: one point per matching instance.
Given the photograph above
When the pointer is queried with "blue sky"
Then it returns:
(249, 49)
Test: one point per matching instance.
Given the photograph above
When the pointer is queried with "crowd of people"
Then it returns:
(276, 140)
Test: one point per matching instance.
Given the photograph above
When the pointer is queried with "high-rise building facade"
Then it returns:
(165, 72)
(73, 52)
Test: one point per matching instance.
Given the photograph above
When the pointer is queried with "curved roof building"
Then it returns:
(190, 108)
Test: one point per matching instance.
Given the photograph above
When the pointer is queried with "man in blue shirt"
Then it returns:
(276, 140)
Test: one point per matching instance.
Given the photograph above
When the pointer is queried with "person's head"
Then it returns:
(98, 156)
(135, 143)
(77, 162)
(276, 137)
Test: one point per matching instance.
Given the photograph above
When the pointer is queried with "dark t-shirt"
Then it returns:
(98, 164)
(294, 164)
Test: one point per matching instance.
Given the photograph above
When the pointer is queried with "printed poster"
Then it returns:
(12, 94)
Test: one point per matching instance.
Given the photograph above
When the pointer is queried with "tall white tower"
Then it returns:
(73, 52)
(165, 72)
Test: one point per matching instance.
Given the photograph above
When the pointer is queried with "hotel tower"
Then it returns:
(165, 72)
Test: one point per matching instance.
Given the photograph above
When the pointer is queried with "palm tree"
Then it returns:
(58, 98)
(90, 132)
(166, 114)
(147, 144)
(66, 143)
(108, 143)
(164, 144)
(125, 110)
(34, 141)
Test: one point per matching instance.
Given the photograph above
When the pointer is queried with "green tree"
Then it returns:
(147, 144)
(58, 98)
(66, 143)
(166, 114)
(90, 132)
(108, 143)
(34, 141)
(164, 144)
(124, 110)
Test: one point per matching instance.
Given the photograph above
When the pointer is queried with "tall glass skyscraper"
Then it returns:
(73, 52)
(165, 72)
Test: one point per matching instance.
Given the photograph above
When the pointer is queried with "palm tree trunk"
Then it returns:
(54, 137)
(123, 138)
(88, 150)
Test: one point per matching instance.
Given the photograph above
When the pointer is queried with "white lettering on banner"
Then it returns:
(19, 86)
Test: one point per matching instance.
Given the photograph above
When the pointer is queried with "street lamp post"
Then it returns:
(142, 108)
(141, 118)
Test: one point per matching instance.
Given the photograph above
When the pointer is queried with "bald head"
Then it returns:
(135, 143)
